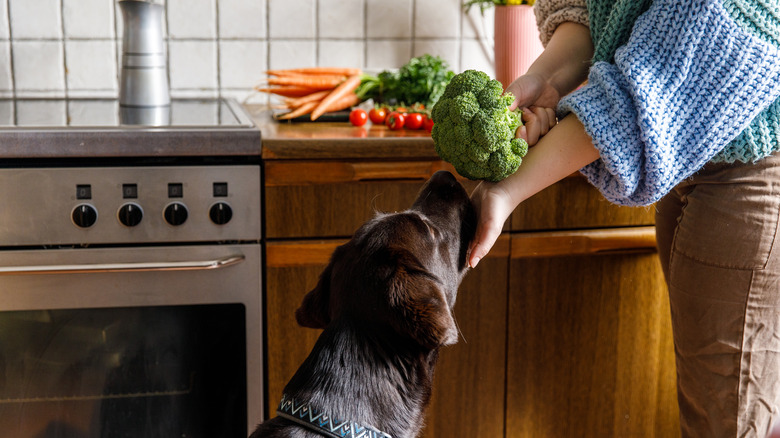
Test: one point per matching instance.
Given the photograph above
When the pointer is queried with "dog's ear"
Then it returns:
(421, 310)
(315, 308)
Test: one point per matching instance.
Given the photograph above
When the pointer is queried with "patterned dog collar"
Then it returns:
(319, 421)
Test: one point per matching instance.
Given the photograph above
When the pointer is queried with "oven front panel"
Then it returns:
(146, 342)
(133, 205)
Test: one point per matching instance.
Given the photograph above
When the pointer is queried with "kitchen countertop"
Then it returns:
(273, 141)
(324, 140)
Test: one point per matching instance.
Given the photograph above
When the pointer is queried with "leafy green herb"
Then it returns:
(420, 81)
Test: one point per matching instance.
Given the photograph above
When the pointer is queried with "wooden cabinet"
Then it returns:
(589, 345)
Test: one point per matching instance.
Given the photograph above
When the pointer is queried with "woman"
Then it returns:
(681, 109)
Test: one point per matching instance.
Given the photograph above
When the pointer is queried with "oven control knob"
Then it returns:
(84, 215)
(220, 213)
(175, 213)
(130, 214)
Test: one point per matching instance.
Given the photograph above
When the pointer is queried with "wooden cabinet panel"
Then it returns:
(469, 393)
(590, 351)
(573, 203)
(469, 387)
(332, 199)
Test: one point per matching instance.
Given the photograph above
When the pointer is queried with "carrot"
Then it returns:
(286, 91)
(298, 101)
(345, 88)
(316, 82)
(344, 102)
(341, 71)
(301, 110)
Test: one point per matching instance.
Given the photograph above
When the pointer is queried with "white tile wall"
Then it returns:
(35, 18)
(88, 19)
(222, 47)
(91, 69)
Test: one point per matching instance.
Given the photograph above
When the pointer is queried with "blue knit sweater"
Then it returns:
(696, 81)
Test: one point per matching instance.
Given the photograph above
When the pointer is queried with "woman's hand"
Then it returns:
(537, 121)
(493, 204)
(537, 99)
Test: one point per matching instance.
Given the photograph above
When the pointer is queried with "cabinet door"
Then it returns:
(332, 199)
(590, 351)
(573, 203)
(468, 394)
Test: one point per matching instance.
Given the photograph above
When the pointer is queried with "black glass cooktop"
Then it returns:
(108, 114)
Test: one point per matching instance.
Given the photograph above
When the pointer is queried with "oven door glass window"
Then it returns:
(145, 372)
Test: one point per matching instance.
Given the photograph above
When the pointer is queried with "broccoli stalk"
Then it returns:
(474, 129)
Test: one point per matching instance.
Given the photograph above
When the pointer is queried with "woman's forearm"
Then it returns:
(564, 150)
(566, 59)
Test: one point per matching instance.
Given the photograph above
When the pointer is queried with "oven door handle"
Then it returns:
(96, 268)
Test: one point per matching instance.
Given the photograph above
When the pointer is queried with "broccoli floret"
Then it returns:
(475, 131)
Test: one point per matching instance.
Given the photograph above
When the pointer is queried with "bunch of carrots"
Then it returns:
(313, 90)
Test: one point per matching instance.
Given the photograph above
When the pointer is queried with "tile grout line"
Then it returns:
(167, 49)
(11, 57)
(117, 55)
(219, 50)
(414, 20)
(267, 40)
(460, 41)
(64, 62)
(317, 32)
(365, 34)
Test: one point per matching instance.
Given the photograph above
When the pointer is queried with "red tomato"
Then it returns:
(377, 115)
(413, 121)
(401, 109)
(428, 124)
(395, 120)
(358, 117)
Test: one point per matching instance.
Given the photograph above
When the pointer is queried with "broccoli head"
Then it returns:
(474, 130)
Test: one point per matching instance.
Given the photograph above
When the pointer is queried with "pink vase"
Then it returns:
(517, 42)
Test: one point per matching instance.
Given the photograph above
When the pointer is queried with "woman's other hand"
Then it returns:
(537, 121)
(493, 204)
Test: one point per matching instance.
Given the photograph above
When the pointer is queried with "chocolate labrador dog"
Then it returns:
(385, 303)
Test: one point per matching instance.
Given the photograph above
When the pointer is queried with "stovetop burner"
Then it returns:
(107, 114)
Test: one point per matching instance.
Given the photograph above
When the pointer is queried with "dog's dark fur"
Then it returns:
(385, 303)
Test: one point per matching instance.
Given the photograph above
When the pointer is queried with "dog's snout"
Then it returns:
(443, 179)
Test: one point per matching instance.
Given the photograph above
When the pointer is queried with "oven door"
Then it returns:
(131, 342)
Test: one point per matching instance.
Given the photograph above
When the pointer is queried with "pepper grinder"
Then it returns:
(144, 96)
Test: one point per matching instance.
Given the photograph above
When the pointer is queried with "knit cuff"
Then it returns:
(551, 13)
(688, 82)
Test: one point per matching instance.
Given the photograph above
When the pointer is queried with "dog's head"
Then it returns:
(401, 271)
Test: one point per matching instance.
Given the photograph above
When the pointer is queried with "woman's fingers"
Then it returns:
(537, 122)
(553, 119)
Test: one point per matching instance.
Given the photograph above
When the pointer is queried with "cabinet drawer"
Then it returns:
(574, 203)
(332, 199)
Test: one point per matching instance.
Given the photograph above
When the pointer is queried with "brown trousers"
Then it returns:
(720, 250)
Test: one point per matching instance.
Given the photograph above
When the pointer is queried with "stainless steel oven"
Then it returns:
(130, 299)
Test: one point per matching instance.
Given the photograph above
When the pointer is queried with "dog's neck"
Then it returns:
(373, 379)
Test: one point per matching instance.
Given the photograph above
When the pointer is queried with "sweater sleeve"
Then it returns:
(551, 13)
(688, 81)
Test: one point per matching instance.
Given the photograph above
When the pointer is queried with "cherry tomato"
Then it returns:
(358, 117)
(377, 115)
(428, 124)
(401, 109)
(413, 121)
(395, 120)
